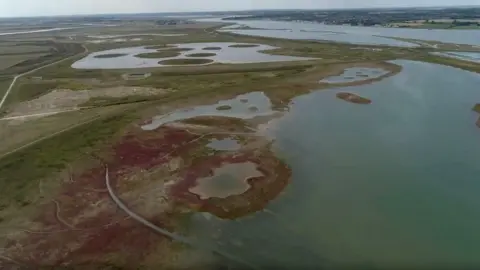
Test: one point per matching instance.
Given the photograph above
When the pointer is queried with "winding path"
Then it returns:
(164, 232)
(32, 71)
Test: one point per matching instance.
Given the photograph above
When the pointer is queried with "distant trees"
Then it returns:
(463, 23)
(374, 17)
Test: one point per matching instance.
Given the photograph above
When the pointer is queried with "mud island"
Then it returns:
(476, 108)
(353, 98)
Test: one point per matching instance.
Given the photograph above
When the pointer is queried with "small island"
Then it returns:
(201, 55)
(212, 48)
(156, 47)
(476, 108)
(110, 55)
(159, 54)
(185, 61)
(353, 98)
(224, 108)
(243, 46)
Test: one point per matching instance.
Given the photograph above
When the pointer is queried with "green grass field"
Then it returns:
(22, 169)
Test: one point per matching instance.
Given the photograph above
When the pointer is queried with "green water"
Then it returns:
(391, 185)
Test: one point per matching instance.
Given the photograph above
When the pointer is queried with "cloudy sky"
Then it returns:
(13, 8)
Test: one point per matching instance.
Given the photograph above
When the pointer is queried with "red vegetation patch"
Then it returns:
(83, 225)
(353, 98)
(263, 189)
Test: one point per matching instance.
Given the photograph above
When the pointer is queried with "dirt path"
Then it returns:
(32, 71)
(39, 114)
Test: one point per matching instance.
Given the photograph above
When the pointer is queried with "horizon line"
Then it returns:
(239, 10)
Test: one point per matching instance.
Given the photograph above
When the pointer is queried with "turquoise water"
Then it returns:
(394, 184)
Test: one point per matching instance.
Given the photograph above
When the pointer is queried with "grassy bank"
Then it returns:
(22, 170)
(449, 61)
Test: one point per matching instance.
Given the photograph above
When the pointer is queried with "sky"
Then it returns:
(21, 8)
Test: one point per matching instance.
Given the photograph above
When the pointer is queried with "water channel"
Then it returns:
(352, 34)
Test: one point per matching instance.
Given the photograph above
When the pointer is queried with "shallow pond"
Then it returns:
(227, 180)
(224, 144)
(226, 55)
(330, 36)
(238, 107)
(390, 184)
(356, 74)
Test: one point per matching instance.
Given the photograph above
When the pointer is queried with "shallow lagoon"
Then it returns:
(224, 144)
(356, 74)
(238, 107)
(226, 55)
(391, 184)
(356, 34)
(227, 180)
(325, 35)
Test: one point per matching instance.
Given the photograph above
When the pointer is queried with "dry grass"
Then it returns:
(7, 61)
(16, 133)
(6, 49)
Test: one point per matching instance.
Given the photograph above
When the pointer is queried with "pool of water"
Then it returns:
(227, 180)
(224, 144)
(391, 185)
(226, 55)
(239, 107)
(356, 74)
(468, 56)
(330, 36)
(356, 34)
